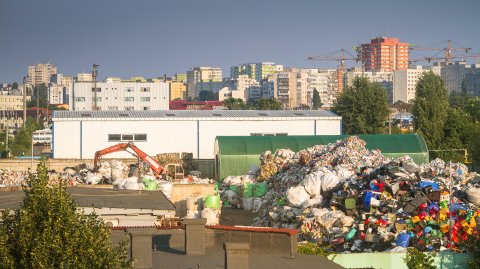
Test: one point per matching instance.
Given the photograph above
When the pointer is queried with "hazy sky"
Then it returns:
(151, 38)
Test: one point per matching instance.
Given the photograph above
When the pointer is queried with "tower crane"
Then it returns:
(333, 56)
(448, 55)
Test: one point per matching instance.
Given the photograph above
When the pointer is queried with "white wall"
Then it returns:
(164, 136)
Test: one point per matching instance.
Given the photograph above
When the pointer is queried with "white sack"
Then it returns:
(212, 216)
(193, 214)
(257, 204)
(247, 204)
(166, 187)
(474, 196)
(312, 202)
(92, 178)
(313, 183)
(297, 196)
(329, 181)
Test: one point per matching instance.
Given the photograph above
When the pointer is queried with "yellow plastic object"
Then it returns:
(415, 219)
(444, 228)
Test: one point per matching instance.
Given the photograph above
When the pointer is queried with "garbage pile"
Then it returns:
(357, 200)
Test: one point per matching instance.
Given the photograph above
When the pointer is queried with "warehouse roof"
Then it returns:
(186, 114)
(100, 198)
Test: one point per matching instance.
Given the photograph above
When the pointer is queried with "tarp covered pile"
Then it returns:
(358, 200)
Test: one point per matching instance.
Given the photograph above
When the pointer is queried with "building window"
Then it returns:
(114, 137)
(129, 108)
(112, 108)
(129, 99)
(146, 108)
(79, 99)
(144, 99)
(98, 89)
(129, 89)
(145, 89)
(99, 99)
(127, 137)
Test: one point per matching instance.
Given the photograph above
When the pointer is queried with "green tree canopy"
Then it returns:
(40, 92)
(316, 102)
(363, 107)
(207, 96)
(266, 104)
(234, 104)
(430, 109)
(49, 232)
(15, 86)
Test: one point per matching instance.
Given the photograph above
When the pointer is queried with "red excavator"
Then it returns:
(174, 171)
(156, 167)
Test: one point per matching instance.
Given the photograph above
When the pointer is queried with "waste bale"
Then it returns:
(212, 216)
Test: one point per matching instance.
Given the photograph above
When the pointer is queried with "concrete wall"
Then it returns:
(180, 193)
(81, 139)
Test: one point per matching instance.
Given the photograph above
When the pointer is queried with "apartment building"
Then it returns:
(384, 54)
(238, 87)
(382, 77)
(405, 82)
(178, 90)
(40, 73)
(257, 71)
(12, 102)
(84, 77)
(203, 79)
(291, 87)
(325, 81)
(460, 76)
(120, 96)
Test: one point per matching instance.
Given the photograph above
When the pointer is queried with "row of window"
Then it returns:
(126, 99)
(126, 137)
(127, 89)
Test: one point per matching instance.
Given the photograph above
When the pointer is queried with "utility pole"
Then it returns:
(94, 76)
(24, 102)
(38, 103)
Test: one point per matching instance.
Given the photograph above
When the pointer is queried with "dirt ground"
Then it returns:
(232, 216)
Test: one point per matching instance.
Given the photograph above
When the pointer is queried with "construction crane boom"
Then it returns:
(447, 51)
(333, 56)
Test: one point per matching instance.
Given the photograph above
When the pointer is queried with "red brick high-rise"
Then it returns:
(384, 53)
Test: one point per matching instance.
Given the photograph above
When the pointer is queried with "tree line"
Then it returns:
(450, 125)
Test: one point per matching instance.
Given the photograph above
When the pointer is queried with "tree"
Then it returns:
(430, 109)
(234, 104)
(14, 86)
(40, 92)
(316, 102)
(267, 104)
(415, 259)
(207, 96)
(363, 107)
(49, 232)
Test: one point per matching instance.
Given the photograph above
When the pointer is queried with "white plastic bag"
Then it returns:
(120, 183)
(474, 196)
(297, 196)
(247, 204)
(257, 204)
(212, 216)
(313, 183)
(329, 181)
(166, 187)
(312, 202)
(193, 214)
(92, 178)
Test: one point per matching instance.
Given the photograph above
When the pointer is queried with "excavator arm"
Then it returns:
(156, 167)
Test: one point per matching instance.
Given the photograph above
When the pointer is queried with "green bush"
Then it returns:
(310, 248)
(416, 259)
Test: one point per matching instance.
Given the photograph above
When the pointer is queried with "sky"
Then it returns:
(152, 38)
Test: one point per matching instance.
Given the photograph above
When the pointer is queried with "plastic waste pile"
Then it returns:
(357, 200)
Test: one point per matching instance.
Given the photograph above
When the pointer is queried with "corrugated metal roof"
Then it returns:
(117, 114)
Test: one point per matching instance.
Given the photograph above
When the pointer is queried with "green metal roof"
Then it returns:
(235, 154)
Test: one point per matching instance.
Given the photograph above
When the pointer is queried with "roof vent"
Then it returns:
(217, 114)
(170, 115)
(123, 115)
(263, 114)
(84, 115)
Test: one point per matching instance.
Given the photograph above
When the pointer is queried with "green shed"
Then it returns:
(234, 155)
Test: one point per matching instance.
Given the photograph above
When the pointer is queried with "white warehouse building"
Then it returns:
(120, 96)
(79, 134)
